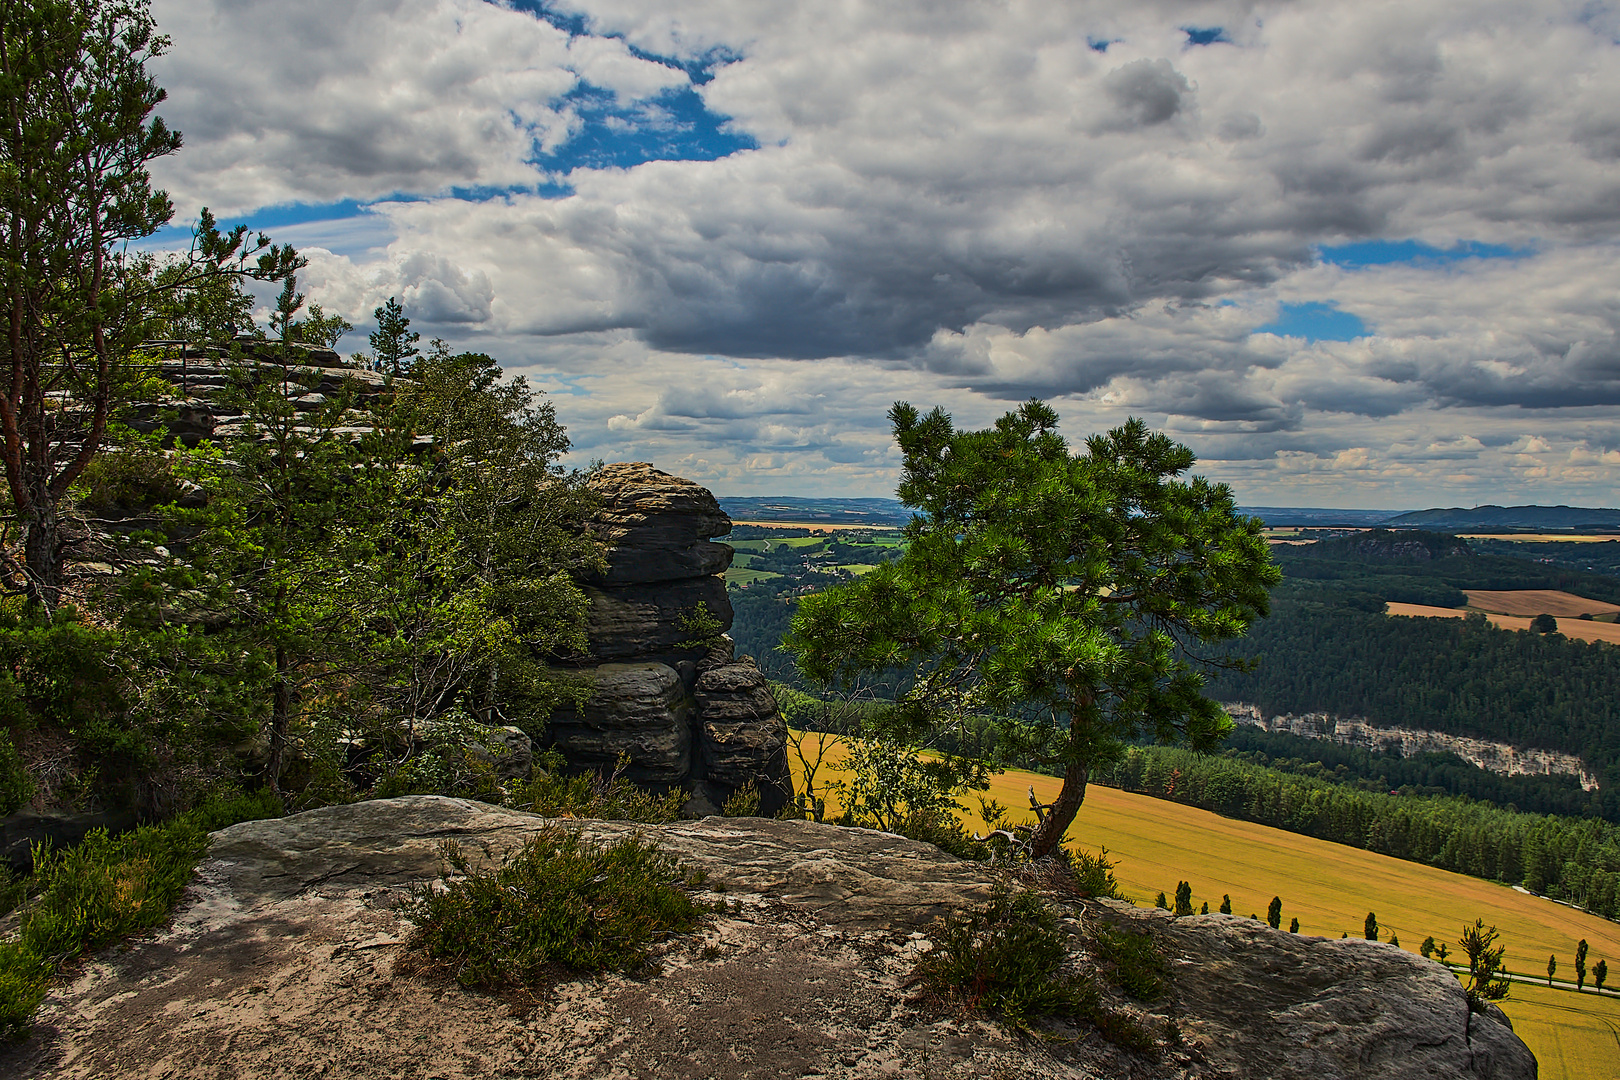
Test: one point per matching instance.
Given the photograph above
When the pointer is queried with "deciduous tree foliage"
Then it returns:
(1078, 592)
(76, 136)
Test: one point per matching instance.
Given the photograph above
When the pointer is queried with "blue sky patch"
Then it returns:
(673, 126)
(1386, 252)
(1315, 321)
(1205, 35)
(1100, 44)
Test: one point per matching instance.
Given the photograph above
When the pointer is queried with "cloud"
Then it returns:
(317, 102)
(963, 205)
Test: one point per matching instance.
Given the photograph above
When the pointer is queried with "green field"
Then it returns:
(741, 575)
(1331, 888)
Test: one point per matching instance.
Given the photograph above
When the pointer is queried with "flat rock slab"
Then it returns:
(281, 962)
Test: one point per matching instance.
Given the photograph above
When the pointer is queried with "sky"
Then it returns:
(1352, 254)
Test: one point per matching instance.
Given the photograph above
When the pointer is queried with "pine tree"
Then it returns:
(1600, 975)
(1395, 940)
(1087, 590)
(1580, 965)
(1371, 927)
(393, 343)
(1161, 903)
(1293, 926)
(1427, 948)
(1552, 966)
(1184, 898)
(1226, 905)
(1274, 913)
(1205, 909)
(76, 197)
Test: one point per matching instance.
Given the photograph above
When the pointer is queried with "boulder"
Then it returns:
(646, 620)
(281, 961)
(1266, 1003)
(657, 526)
(509, 750)
(636, 709)
(742, 738)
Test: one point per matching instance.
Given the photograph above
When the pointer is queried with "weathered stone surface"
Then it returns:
(742, 738)
(657, 526)
(281, 962)
(1272, 1004)
(510, 751)
(638, 709)
(645, 620)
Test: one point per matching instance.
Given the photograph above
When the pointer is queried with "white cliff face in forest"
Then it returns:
(1494, 757)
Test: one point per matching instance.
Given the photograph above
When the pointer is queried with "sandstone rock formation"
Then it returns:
(644, 664)
(281, 959)
(686, 711)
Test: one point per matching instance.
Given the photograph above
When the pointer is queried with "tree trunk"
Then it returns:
(280, 717)
(42, 553)
(1049, 833)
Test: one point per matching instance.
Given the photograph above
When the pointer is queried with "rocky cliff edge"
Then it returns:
(280, 962)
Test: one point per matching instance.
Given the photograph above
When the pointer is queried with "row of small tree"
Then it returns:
(1600, 971)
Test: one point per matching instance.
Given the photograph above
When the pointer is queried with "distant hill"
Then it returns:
(815, 511)
(1316, 517)
(1382, 545)
(1485, 518)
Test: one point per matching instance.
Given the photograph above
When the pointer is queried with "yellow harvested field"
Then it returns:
(1533, 602)
(1573, 1037)
(1580, 629)
(1330, 889)
(1537, 538)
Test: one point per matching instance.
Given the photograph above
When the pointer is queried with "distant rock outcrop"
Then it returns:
(667, 690)
(281, 962)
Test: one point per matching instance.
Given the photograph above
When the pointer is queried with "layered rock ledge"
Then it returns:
(280, 963)
(666, 688)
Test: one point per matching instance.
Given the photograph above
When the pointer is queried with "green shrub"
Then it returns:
(137, 475)
(744, 802)
(559, 900)
(101, 891)
(551, 792)
(24, 980)
(1007, 959)
(1135, 965)
(16, 786)
(1093, 875)
(1004, 959)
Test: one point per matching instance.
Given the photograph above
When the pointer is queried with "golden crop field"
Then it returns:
(1574, 1037)
(1330, 889)
(1533, 602)
(1580, 629)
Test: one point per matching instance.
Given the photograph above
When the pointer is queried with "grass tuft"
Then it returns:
(103, 890)
(559, 900)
